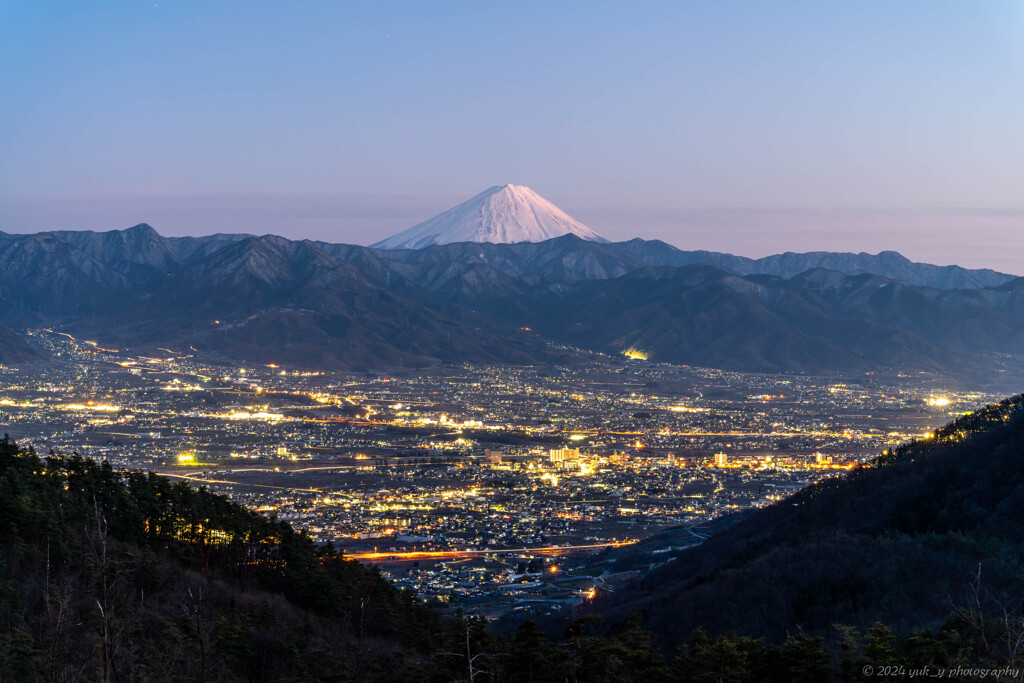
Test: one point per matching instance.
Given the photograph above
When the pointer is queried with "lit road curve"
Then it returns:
(197, 478)
(463, 554)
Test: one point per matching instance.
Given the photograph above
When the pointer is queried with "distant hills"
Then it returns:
(818, 321)
(928, 536)
(270, 299)
(890, 264)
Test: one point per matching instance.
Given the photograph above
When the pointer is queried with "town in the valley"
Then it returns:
(499, 490)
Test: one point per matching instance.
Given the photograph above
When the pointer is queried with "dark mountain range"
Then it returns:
(269, 299)
(264, 299)
(815, 322)
(890, 264)
(569, 259)
(928, 535)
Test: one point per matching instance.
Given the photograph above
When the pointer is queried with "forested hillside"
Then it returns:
(114, 575)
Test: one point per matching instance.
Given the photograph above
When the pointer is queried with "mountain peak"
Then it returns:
(140, 229)
(501, 214)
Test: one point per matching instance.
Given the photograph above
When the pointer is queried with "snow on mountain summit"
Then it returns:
(501, 214)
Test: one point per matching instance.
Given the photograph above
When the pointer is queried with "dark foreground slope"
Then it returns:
(930, 534)
(112, 575)
(16, 351)
(123, 576)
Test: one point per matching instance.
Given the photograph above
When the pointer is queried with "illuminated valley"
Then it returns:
(497, 489)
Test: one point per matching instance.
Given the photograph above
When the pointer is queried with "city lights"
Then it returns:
(476, 471)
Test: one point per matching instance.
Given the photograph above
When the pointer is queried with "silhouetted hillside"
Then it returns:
(16, 351)
(119, 575)
(114, 575)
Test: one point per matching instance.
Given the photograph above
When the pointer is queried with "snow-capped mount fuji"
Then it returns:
(503, 214)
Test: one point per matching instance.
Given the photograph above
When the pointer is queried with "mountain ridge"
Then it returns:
(271, 299)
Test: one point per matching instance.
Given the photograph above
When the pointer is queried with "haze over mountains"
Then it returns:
(270, 299)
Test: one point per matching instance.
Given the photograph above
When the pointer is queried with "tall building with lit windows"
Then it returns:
(563, 454)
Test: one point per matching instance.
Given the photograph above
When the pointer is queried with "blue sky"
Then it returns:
(747, 127)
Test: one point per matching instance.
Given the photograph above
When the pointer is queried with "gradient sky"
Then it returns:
(747, 127)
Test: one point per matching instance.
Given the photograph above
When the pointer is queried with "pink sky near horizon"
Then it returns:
(740, 126)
